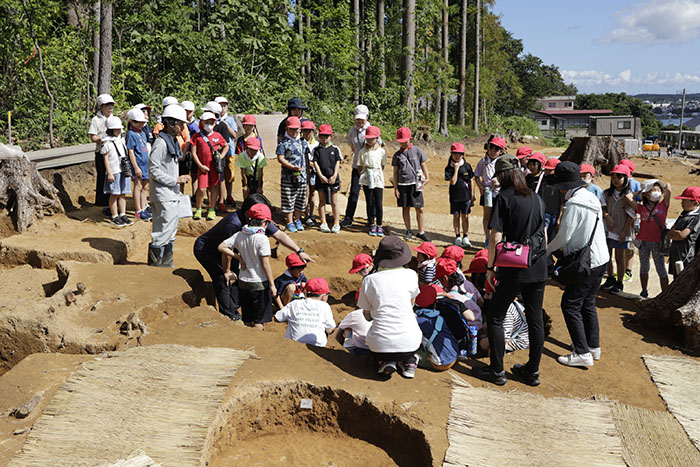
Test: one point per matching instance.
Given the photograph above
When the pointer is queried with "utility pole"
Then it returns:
(680, 129)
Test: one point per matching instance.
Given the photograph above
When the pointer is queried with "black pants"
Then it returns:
(226, 295)
(354, 195)
(101, 198)
(256, 305)
(533, 294)
(375, 210)
(578, 307)
(405, 357)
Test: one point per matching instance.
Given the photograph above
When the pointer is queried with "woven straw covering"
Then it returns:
(161, 399)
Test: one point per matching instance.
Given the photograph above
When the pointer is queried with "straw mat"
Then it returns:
(487, 427)
(161, 399)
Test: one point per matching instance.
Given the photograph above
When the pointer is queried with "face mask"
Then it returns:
(587, 181)
(655, 196)
(208, 127)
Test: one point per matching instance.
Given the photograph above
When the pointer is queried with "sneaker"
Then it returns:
(463, 355)
(373, 231)
(310, 221)
(408, 236)
(408, 370)
(118, 222)
(458, 241)
(617, 288)
(230, 201)
(595, 352)
(466, 243)
(148, 209)
(299, 225)
(291, 227)
(387, 368)
(138, 216)
(423, 237)
(324, 228)
(380, 231)
(644, 294)
(221, 207)
(484, 373)
(628, 275)
(145, 215)
(608, 284)
(347, 222)
(574, 359)
(211, 214)
(197, 214)
(126, 220)
(336, 228)
(527, 377)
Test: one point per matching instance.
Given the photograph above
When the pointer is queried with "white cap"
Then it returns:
(213, 107)
(187, 105)
(221, 99)
(103, 99)
(361, 111)
(647, 185)
(142, 106)
(169, 101)
(114, 122)
(136, 115)
(176, 112)
(207, 116)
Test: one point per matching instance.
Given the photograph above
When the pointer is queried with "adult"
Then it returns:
(164, 186)
(97, 131)
(386, 298)
(206, 252)
(517, 217)
(295, 108)
(582, 217)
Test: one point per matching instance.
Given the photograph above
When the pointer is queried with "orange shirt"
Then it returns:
(183, 138)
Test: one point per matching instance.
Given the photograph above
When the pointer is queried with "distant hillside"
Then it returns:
(667, 98)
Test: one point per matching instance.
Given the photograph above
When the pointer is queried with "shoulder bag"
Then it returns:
(665, 242)
(218, 162)
(519, 255)
(575, 267)
(125, 167)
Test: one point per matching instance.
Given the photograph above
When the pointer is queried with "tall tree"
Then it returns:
(462, 96)
(96, 46)
(477, 65)
(105, 75)
(409, 55)
(356, 11)
(300, 31)
(442, 126)
(382, 46)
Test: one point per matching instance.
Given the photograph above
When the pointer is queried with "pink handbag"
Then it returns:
(512, 255)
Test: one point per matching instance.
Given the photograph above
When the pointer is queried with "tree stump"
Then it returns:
(677, 305)
(602, 152)
(25, 193)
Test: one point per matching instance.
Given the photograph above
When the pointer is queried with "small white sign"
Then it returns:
(306, 404)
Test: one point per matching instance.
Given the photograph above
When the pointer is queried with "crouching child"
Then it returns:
(310, 320)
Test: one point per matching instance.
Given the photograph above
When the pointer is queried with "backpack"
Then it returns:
(447, 312)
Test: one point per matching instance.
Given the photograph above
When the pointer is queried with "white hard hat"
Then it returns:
(169, 101)
(176, 112)
(213, 107)
(187, 105)
(361, 111)
(103, 99)
(136, 115)
(207, 116)
(142, 106)
(114, 123)
(221, 99)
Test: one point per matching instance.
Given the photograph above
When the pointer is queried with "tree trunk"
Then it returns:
(363, 53)
(409, 54)
(307, 58)
(477, 65)
(462, 97)
(602, 152)
(382, 47)
(96, 47)
(445, 98)
(105, 80)
(300, 31)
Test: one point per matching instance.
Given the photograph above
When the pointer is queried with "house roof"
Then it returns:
(575, 112)
(693, 122)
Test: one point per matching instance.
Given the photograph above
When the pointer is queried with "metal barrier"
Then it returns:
(61, 157)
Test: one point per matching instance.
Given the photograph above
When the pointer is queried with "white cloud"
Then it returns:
(587, 79)
(658, 22)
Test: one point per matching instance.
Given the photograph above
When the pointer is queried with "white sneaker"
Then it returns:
(574, 359)
(595, 352)
(387, 368)
(408, 370)
(458, 241)
(324, 228)
(466, 243)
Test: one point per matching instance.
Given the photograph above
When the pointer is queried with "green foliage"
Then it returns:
(523, 125)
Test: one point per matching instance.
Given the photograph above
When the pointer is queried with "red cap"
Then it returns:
(360, 261)
(536, 156)
(478, 265)
(457, 147)
(552, 163)
(523, 151)
(587, 169)
(253, 143)
(427, 248)
(259, 211)
(453, 252)
(428, 294)
(325, 129)
(403, 134)
(445, 267)
(621, 169)
(293, 122)
(294, 261)
(308, 125)
(483, 252)
(692, 193)
(498, 141)
(630, 164)
(249, 119)
(372, 132)
(317, 286)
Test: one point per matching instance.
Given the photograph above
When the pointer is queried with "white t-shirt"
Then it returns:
(388, 296)
(356, 322)
(307, 321)
(115, 147)
(98, 126)
(372, 161)
(251, 246)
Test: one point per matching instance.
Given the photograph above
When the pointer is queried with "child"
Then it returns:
(466, 288)
(255, 284)
(619, 212)
(249, 126)
(291, 154)
(450, 280)
(371, 167)
(252, 163)
(553, 199)
(326, 159)
(684, 233)
(226, 127)
(652, 211)
(118, 171)
(535, 168)
(308, 128)
(290, 285)
(352, 332)
(587, 175)
(484, 175)
(459, 173)
(410, 176)
(523, 154)
(137, 145)
(309, 320)
(204, 144)
(426, 262)
(361, 264)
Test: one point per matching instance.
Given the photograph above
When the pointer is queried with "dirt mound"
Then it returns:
(602, 152)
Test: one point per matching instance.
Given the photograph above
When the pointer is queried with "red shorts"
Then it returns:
(208, 179)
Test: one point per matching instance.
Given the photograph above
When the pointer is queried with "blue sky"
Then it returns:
(650, 46)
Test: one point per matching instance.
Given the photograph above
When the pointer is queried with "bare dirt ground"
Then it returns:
(176, 307)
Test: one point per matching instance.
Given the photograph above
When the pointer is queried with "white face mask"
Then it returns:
(655, 196)
(588, 181)
(208, 127)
